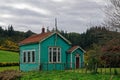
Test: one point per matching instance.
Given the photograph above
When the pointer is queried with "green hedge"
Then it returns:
(5, 64)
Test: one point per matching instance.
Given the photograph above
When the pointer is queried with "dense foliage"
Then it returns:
(95, 35)
(9, 38)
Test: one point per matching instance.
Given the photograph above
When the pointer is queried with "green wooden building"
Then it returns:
(49, 51)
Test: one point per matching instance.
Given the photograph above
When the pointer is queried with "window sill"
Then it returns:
(54, 62)
(29, 63)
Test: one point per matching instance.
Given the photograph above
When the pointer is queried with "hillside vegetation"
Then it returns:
(9, 38)
(95, 35)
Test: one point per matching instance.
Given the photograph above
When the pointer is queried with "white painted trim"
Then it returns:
(39, 54)
(57, 55)
(63, 38)
(48, 37)
(79, 61)
(71, 61)
(60, 55)
(26, 52)
(30, 56)
(52, 54)
(75, 62)
(79, 48)
(59, 35)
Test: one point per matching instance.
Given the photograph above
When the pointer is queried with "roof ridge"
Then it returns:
(35, 38)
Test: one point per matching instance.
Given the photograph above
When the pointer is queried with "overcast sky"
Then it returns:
(72, 15)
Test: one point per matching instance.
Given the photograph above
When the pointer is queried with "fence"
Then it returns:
(97, 68)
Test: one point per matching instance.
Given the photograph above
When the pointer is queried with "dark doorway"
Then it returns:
(77, 62)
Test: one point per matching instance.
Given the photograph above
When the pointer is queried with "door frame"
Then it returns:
(75, 60)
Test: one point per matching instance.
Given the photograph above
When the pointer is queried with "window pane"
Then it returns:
(24, 57)
(54, 49)
(58, 56)
(54, 56)
(50, 57)
(50, 54)
(33, 56)
(28, 56)
(49, 49)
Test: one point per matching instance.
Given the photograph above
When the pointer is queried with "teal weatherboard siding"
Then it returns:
(41, 49)
(50, 42)
(29, 66)
(78, 51)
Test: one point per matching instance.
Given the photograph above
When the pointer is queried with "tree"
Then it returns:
(112, 12)
(29, 33)
(111, 52)
(92, 58)
(10, 30)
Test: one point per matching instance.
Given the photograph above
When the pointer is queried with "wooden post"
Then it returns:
(105, 68)
(110, 69)
(101, 69)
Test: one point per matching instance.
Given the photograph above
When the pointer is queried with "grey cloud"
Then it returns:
(72, 15)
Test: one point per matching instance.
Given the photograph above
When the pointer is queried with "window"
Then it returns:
(24, 57)
(54, 54)
(28, 56)
(33, 56)
(58, 54)
(50, 55)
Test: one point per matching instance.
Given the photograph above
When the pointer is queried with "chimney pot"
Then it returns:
(43, 30)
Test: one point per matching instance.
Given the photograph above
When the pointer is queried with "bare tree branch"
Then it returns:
(112, 12)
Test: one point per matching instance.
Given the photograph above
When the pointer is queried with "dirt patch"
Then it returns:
(10, 75)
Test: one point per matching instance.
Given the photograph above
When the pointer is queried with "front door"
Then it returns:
(77, 62)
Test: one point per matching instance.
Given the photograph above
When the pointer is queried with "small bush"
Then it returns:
(115, 72)
(4, 64)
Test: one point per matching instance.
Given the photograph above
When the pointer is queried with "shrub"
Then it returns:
(3, 64)
(115, 72)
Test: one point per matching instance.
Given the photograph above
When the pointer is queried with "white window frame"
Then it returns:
(31, 57)
(52, 54)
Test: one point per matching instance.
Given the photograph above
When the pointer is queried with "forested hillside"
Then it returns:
(100, 36)
(95, 35)
(9, 38)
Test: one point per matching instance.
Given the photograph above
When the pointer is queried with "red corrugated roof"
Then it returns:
(72, 49)
(35, 38)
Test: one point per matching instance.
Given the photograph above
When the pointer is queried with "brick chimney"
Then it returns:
(43, 30)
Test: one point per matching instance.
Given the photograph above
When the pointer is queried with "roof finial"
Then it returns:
(56, 24)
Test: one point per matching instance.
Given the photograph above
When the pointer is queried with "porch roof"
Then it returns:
(72, 49)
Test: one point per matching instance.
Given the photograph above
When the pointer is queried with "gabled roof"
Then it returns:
(41, 37)
(72, 49)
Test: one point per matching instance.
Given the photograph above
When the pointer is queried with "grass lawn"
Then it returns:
(9, 68)
(66, 75)
(62, 75)
(7, 56)
(80, 74)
